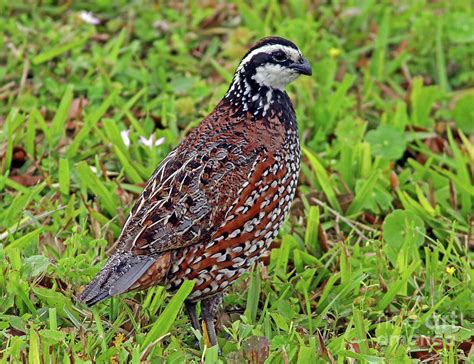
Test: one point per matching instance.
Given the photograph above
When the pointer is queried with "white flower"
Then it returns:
(160, 141)
(125, 137)
(149, 142)
(89, 18)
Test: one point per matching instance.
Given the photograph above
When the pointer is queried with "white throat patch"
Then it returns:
(274, 76)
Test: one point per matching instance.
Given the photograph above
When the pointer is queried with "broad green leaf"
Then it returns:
(350, 131)
(306, 355)
(463, 113)
(387, 142)
(35, 265)
(53, 298)
(399, 228)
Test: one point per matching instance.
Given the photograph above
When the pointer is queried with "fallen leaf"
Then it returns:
(452, 195)
(383, 285)
(394, 181)
(354, 346)
(75, 112)
(18, 157)
(100, 37)
(221, 13)
(256, 349)
(14, 332)
(323, 350)
(401, 47)
(429, 348)
(371, 219)
(387, 90)
(162, 26)
(76, 108)
(341, 72)
(362, 62)
(26, 180)
(345, 199)
(323, 240)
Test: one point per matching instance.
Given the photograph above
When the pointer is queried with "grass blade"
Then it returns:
(91, 121)
(58, 123)
(168, 316)
(25, 240)
(94, 184)
(363, 194)
(60, 49)
(323, 178)
(440, 59)
(397, 286)
(311, 239)
(8, 134)
(34, 349)
(361, 331)
(253, 295)
(64, 176)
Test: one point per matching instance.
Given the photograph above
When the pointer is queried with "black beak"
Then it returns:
(302, 67)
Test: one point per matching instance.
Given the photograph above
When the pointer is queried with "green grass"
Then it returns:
(375, 262)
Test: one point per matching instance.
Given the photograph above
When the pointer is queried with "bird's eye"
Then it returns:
(279, 56)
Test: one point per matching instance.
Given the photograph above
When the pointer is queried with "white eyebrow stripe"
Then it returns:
(267, 49)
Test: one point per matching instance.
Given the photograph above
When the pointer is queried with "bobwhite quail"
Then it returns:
(214, 204)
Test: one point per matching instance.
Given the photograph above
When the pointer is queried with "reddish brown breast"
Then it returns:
(250, 224)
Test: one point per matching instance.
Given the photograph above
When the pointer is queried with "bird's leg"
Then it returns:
(191, 311)
(209, 308)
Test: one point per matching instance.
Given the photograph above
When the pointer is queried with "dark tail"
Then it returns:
(121, 271)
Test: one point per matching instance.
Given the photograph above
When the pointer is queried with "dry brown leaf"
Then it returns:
(26, 180)
(256, 349)
(18, 157)
(323, 240)
(429, 348)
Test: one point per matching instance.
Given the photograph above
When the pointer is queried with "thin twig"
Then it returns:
(24, 75)
(28, 221)
(349, 222)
